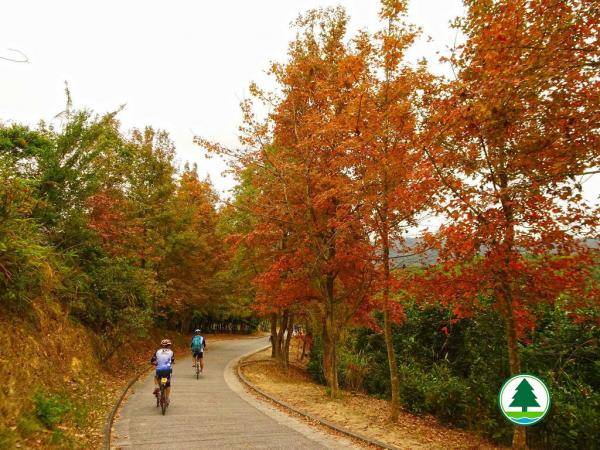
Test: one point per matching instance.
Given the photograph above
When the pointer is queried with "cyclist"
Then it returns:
(163, 359)
(198, 345)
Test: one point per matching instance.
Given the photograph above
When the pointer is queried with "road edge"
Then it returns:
(110, 418)
(321, 436)
(360, 437)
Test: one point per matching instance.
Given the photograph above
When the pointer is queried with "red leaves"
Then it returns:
(358, 145)
(107, 217)
(513, 124)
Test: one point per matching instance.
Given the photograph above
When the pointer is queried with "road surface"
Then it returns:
(213, 412)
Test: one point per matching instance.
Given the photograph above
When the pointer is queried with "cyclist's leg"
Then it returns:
(156, 389)
(168, 389)
(201, 356)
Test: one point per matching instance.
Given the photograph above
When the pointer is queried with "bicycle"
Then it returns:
(197, 366)
(161, 397)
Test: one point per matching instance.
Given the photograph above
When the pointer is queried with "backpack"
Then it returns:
(197, 342)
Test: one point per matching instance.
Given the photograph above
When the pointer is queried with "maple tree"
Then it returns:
(509, 138)
(394, 176)
(309, 220)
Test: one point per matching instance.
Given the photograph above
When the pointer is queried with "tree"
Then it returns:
(395, 177)
(29, 267)
(241, 261)
(524, 396)
(150, 181)
(193, 249)
(508, 140)
(317, 247)
(314, 124)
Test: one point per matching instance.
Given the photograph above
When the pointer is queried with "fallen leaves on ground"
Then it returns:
(358, 412)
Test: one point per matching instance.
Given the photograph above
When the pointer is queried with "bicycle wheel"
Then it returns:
(197, 370)
(163, 400)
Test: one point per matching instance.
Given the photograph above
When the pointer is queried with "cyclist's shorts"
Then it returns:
(164, 373)
(198, 354)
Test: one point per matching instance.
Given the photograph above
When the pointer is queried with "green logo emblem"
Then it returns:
(524, 399)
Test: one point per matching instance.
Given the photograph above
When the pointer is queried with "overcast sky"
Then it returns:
(182, 66)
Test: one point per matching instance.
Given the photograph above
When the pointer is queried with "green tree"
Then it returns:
(524, 396)
(193, 249)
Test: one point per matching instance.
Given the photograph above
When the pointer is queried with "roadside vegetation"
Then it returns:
(454, 369)
(103, 242)
(356, 411)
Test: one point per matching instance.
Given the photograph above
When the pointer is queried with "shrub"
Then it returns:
(28, 426)
(50, 409)
(457, 376)
(354, 368)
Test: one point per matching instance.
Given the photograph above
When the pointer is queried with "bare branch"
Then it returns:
(24, 59)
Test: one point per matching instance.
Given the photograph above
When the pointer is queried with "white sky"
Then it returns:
(182, 65)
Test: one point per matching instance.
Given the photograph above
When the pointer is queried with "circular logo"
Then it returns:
(524, 399)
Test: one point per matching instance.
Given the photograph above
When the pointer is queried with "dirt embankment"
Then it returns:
(359, 413)
(56, 391)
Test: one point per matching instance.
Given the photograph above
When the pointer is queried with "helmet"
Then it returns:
(198, 331)
(165, 343)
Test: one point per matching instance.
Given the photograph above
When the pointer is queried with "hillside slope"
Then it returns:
(56, 391)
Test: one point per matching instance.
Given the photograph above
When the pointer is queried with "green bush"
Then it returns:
(315, 363)
(456, 375)
(50, 409)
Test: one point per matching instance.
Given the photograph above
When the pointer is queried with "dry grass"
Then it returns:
(51, 354)
(360, 413)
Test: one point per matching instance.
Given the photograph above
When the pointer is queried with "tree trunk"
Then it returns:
(186, 322)
(330, 360)
(281, 334)
(274, 344)
(335, 384)
(304, 339)
(514, 360)
(330, 334)
(387, 326)
(288, 339)
(327, 350)
(506, 295)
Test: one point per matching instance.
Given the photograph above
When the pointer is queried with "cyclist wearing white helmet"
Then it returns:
(163, 359)
(198, 345)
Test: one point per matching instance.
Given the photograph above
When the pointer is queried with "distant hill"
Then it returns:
(430, 257)
(408, 258)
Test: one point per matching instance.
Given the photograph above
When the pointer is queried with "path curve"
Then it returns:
(212, 412)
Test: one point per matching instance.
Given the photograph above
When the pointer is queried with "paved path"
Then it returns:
(212, 412)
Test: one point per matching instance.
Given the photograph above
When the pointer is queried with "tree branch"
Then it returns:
(24, 59)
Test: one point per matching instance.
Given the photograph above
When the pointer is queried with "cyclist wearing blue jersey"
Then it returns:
(163, 359)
